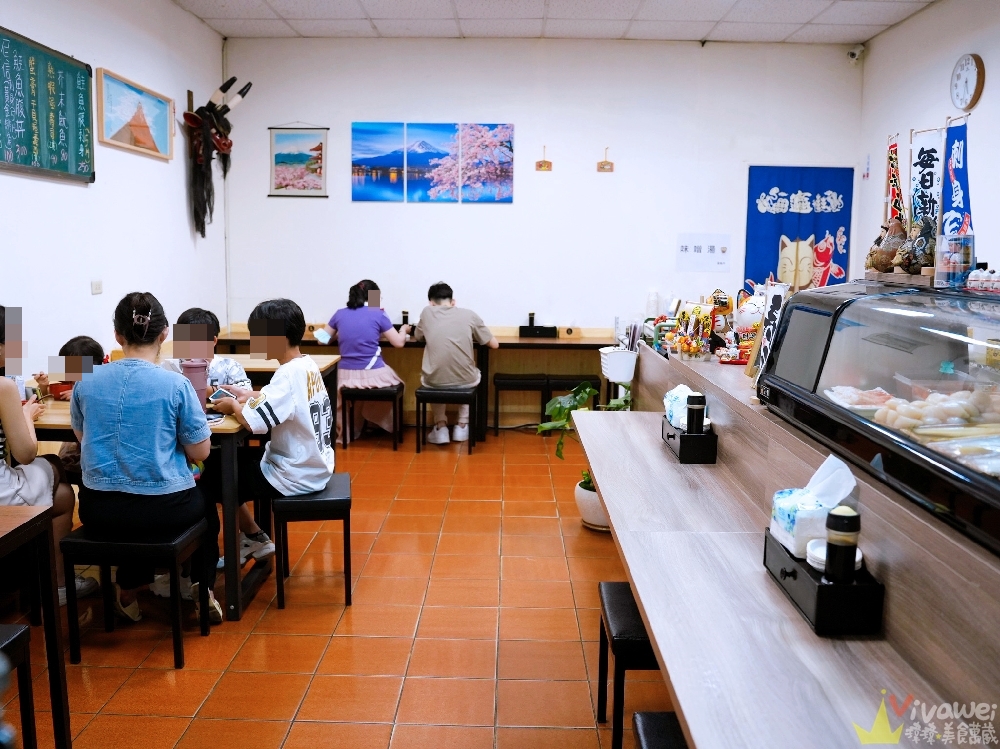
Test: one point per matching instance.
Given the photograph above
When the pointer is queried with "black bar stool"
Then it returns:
(393, 394)
(81, 548)
(565, 383)
(520, 382)
(658, 731)
(462, 396)
(14, 642)
(623, 632)
(330, 503)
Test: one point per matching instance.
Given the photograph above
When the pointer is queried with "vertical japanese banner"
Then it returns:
(957, 212)
(798, 225)
(894, 193)
(926, 167)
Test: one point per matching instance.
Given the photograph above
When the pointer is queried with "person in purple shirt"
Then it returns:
(358, 329)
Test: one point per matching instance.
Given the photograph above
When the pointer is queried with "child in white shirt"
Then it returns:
(295, 407)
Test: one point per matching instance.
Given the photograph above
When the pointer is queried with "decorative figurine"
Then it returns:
(731, 353)
(883, 251)
(918, 251)
(722, 314)
(748, 316)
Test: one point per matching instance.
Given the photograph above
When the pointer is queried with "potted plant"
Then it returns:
(560, 410)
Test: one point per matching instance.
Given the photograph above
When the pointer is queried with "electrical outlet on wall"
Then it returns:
(96, 287)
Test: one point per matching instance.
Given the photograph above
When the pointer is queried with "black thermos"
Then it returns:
(843, 525)
(406, 317)
(531, 319)
(696, 413)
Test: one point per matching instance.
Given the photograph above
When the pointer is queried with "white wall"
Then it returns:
(131, 228)
(906, 74)
(577, 247)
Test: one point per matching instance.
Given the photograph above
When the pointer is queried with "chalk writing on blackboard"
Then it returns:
(47, 123)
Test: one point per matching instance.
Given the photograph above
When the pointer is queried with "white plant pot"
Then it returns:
(592, 513)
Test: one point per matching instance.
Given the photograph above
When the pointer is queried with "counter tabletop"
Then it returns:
(743, 666)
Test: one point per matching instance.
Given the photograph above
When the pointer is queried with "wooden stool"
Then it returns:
(79, 547)
(393, 394)
(658, 731)
(463, 396)
(521, 382)
(621, 629)
(14, 639)
(565, 383)
(331, 503)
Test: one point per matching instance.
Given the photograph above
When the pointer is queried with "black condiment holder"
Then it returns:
(690, 448)
(831, 609)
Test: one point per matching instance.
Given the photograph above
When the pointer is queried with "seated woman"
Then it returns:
(358, 329)
(31, 482)
(139, 426)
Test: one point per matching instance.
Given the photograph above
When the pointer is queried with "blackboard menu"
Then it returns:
(47, 126)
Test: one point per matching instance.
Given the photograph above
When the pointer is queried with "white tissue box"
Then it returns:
(675, 406)
(797, 517)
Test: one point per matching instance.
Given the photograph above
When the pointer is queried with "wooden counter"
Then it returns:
(743, 667)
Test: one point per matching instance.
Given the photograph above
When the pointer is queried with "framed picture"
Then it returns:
(134, 118)
(298, 162)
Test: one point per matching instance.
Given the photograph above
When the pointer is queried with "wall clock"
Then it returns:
(967, 81)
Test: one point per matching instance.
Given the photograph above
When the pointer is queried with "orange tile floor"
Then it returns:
(474, 624)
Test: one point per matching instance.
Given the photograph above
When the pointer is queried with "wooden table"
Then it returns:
(31, 527)
(231, 339)
(743, 667)
(537, 344)
(260, 370)
(55, 425)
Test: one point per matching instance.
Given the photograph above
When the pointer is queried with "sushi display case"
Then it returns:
(903, 383)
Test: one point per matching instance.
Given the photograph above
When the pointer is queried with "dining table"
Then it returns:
(29, 530)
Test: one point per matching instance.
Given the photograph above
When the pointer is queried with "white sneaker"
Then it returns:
(214, 609)
(438, 436)
(84, 587)
(460, 433)
(258, 547)
(161, 587)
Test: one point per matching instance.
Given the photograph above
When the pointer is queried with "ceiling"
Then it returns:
(804, 21)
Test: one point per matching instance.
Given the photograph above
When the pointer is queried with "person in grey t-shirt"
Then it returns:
(448, 360)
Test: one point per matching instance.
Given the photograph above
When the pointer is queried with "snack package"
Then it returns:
(799, 515)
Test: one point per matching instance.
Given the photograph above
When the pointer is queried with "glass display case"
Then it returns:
(905, 384)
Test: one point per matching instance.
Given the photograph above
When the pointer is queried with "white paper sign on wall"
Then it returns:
(703, 253)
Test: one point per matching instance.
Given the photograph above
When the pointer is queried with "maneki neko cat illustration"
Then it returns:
(804, 264)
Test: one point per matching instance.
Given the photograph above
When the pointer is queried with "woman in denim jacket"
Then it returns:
(139, 426)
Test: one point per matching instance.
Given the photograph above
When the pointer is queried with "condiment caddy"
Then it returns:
(697, 443)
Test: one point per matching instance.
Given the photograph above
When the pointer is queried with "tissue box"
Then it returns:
(675, 406)
(797, 517)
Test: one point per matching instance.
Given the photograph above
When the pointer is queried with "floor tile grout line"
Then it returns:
(420, 615)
